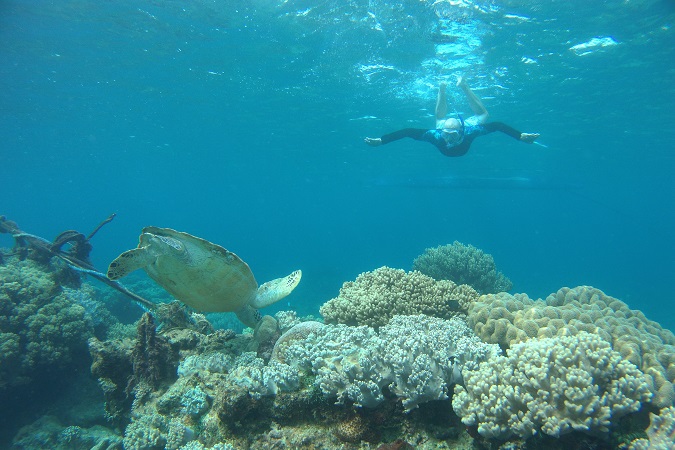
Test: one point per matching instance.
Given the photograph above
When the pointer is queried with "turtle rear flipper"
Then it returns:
(129, 261)
(275, 290)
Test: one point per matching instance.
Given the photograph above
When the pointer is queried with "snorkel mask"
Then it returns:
(455, 137)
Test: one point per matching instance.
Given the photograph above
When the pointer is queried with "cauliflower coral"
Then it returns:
(375, 297)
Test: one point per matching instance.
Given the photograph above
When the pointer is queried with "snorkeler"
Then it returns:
(453, 136)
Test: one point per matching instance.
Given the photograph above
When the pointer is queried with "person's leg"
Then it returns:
(475, 103)
(441, 103)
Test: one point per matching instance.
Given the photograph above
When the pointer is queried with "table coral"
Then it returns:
(555, 385)
(508, 319)
(463, 264)
(375, 297)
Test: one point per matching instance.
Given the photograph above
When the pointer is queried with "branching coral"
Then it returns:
(661, 432)
(463, 264)
(555, 385)
(375, 297)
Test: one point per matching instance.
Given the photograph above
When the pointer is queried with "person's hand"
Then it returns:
(461, 82)
(442, 85)
(374, 142)
(529, 137)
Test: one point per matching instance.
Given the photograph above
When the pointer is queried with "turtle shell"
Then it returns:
(197, 272)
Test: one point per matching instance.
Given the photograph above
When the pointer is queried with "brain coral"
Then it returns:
(555, 385)
(507, 319)
(463, 264)
(375, 297)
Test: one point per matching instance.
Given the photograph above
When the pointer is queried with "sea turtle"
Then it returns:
(201, 274)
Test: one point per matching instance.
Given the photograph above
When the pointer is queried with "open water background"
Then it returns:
(242, 122)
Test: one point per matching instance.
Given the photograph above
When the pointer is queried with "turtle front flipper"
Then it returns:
(129, 261)
(249, 316)
(275, 290)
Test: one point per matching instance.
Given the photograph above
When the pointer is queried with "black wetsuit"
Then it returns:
(435, 137)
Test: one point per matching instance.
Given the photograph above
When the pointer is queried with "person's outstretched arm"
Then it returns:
(528, 138)
(412, 133)
(373, 141)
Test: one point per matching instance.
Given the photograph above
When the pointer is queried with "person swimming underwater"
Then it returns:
(453, 136)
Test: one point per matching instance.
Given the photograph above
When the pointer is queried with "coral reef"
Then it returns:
(150, 355)
(463, 264)
(112, 366)
(416, 358)
(507, 319)
(335, 386)
(265, 335)
(49, 432)
(176, 315)
(259, 379)
(555, 385)
(298, 332)
(398, 444)
(354, 429)
(375, 297)
(128, 370)
(661, 432)
(226, 395)
(196, 445)
(174, 382)
(288, 319)
(43, 326)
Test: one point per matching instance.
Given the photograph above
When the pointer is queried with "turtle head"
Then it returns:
(275, 290)
(149, 248)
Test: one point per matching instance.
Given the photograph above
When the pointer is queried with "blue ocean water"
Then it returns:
(242, 122)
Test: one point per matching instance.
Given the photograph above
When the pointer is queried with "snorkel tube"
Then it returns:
(461, 120)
